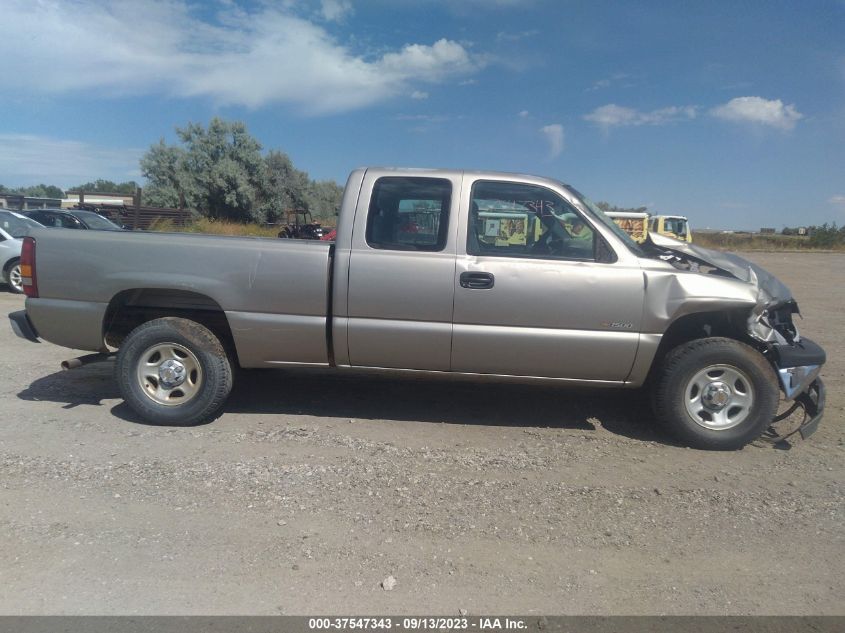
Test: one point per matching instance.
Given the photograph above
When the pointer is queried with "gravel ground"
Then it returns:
(313, 488)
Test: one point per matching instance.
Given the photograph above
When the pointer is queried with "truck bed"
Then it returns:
(274, 292)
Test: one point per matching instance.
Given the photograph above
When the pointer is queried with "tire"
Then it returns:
(715, 394)
(12, 276)
(174, 372)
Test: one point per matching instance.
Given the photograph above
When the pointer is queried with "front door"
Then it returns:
(538, 292)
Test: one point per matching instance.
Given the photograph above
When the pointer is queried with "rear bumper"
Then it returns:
(22, 326)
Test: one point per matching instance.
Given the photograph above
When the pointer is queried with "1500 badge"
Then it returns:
(617, 325)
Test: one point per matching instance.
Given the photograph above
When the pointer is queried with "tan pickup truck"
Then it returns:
(492, 275)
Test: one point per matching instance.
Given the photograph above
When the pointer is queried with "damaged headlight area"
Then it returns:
(775, 325)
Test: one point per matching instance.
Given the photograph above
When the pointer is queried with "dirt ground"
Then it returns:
(313, 488)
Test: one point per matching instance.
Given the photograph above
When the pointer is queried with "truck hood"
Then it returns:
(773, 290)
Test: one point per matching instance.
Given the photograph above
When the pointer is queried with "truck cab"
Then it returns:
(676, 226)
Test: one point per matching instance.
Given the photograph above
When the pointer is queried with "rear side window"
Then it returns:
(409, 214)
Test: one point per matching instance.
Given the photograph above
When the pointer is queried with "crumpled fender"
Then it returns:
(672, 294)
(698, 291)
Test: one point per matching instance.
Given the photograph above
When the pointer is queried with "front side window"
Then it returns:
(410, 214)
(518, 220)
(68, 222)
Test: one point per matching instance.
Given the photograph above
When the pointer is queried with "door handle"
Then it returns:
(477, 280)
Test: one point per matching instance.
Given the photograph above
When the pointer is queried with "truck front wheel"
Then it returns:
(173, 371)
(716, 393)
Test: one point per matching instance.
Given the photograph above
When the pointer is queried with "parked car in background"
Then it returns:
(72, 219)
(13, 228)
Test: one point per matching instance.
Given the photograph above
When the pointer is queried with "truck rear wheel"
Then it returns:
(716, 393)
(173, 371)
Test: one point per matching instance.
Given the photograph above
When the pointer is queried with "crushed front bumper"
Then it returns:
(798, 367)
(22, 326)
(812, 400)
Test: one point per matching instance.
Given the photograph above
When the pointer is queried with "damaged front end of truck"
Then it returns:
(769, 325)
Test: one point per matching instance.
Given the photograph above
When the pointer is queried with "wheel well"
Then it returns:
(131, 308)
(727, 323)
(8, 265)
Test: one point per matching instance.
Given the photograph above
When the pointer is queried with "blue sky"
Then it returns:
(732, 113)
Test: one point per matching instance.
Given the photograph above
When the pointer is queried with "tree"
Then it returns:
(284, 187)
(224, 169)
(35, 191)
(218, 171)
(609, 208)
(827, 235)
(107, 186)
(163, 169)
(324, 198)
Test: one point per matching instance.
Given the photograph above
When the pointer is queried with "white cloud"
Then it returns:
(419, 94)
(838, 201)
(759, 111)
(612, 115)
(429, 63)
(554, 136)
(27, 159)
(237, 56)
(335, 10)
(523, 114)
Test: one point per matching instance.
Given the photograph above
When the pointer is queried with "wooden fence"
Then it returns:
(134, 215)
(138, 217)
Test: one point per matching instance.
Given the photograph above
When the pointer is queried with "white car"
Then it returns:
(13, 228)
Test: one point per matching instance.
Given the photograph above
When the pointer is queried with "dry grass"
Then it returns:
(215, 227)
(757, 242)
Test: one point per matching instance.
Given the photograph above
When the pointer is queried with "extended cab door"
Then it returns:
(401, 271)
(538, 291)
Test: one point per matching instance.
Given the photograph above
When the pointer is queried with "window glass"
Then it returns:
(409, 214)
(96, 221)
(16, 225)
(67, 221)
(517, 220)
(676, 226)
(599, 215)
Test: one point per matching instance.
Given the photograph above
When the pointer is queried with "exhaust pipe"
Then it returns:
(73, 363)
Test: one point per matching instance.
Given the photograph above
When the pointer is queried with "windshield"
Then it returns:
(601, 217)
(678, 226)
(16, 225)
(96, 221)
